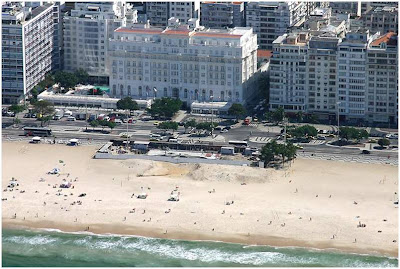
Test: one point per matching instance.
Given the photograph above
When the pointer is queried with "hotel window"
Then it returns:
(165, 92)
(185, 93)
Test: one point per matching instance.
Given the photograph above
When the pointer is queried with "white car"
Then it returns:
(70, 118)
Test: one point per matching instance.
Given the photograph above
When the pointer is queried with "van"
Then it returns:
(118, 121)
(67, 113)
(57, 117)
(70, 118)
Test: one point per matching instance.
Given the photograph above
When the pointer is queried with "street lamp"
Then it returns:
(338, 130)
(212, 114)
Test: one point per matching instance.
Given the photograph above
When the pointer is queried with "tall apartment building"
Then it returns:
(158, 13)
(288, 72)
(351, 7)
(382, 19)
(382, 79)
(87, 29)
(27, 46)
(184, 11)
(58, 52)
(321, 81)
(272, 19)
(182, 62)
(366, 6)
(222, 14)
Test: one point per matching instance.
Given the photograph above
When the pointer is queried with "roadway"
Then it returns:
(140, 130)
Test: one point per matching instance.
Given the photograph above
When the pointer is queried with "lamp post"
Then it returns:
(338, 117)
(212, 115)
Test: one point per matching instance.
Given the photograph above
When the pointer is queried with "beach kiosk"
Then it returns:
(73, 142)
(36, 140)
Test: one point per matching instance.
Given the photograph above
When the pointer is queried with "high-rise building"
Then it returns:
(184, 11)
(158, 13)
(27, 46)
(87, 30)
(222, 14)
(183, 62)
(272, 19)
(352, 76)
(382, 80)
(321, 76)
(382, 19)
(288, 72)
(350, 7)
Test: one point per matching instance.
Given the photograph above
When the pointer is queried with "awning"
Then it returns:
(73, 140)
(36, 138)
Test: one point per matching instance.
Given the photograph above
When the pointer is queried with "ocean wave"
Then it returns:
(29, 240)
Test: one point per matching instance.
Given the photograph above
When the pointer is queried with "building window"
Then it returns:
(196, 94)
(114, 90)
(121, 90)
(185, 93)
(222, 96)
(140, 91)
(165, 92)
(129, 90)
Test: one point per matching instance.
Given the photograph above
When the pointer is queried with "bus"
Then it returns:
(37, 131)
(238, 143)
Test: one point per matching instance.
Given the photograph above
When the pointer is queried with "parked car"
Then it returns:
(70, 118)
(321, 137)
(118, 121)
(224, 130)
(365, 152)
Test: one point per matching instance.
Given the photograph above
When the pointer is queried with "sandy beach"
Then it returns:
(317, 204)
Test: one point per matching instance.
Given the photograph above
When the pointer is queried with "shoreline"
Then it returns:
(252, 240)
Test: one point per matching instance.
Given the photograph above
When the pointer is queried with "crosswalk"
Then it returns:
(260, 139)
(316, 142)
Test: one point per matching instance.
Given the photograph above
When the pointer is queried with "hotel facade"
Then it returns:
(181, 61)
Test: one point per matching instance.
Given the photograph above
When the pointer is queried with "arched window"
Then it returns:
(237, 96)
(196, 94)
(129, 90)
(222, 96)
(140, 91)
(185, 93)
(211, 94)
(230, 96)
(165, 92)
(121, 90)
(203, 95)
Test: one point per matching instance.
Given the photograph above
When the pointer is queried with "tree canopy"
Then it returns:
(66, 79)
(383, 142)
(127, 103)
(165, 107)
(16, 108)
(81, 76)
(168, 125)
(44, 109)
(303, 131)
(270, 150)
(208, 126)
(278, 114)
(349, 133)
(237, 110)
(191, 123)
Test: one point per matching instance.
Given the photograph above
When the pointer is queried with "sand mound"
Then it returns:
(226, 173)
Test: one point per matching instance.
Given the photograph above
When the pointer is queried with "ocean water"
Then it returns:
(56, 249)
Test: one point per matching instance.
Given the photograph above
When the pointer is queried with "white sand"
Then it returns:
(268, 195)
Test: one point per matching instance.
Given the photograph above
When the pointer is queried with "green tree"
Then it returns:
(268, 152)
(111, 124)
(268, 116)
(35, 93)
(165, 107)
(16, 109)
(168, 125)
(237, 110)
(278, 114)
(94, 123)
(303, 131)
(66, 79)
(127, 103)
(103, 123)
(208, 126)
(82, 76)
(299, 116)
(384, 142)
(350, 133)
(44, 109)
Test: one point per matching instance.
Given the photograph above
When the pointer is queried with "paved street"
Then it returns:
(256, 135)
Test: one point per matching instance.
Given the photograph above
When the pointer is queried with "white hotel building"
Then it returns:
(190, 63)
